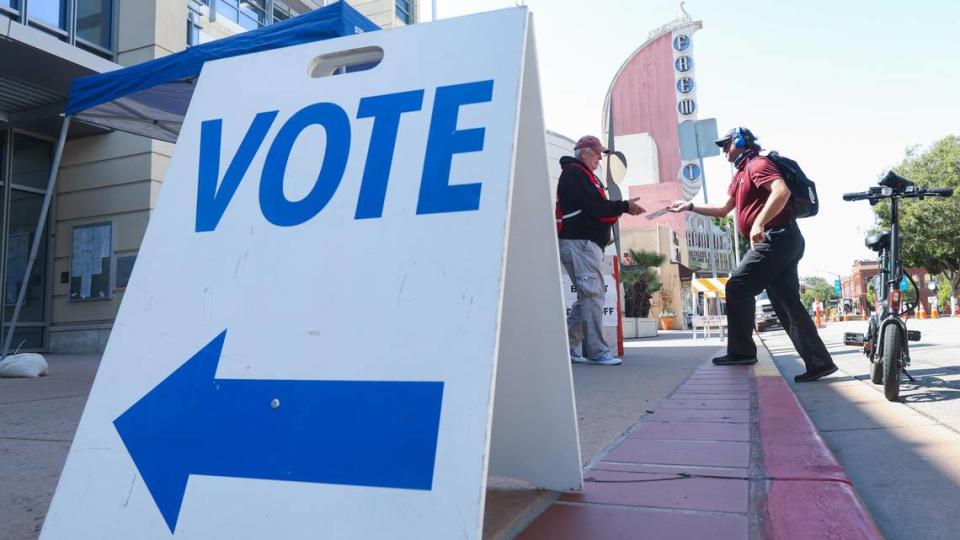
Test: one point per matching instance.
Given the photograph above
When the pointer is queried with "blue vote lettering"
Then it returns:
(273, 203)
(436, 195)
(386, 111)
(445, 140)
(211, 202)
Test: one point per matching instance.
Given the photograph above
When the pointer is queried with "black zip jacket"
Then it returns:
(576, 191)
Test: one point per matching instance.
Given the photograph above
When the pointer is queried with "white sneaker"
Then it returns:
(605, 360)
(577, 359)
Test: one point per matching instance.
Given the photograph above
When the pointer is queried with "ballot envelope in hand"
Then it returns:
(656, 214)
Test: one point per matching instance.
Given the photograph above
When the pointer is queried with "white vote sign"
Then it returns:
(347, 308)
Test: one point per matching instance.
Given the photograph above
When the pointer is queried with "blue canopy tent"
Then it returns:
(151, 98)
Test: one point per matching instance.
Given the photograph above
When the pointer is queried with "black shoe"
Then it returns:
(734, 360)
(812, 375)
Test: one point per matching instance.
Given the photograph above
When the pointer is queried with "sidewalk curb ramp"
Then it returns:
(808, 493)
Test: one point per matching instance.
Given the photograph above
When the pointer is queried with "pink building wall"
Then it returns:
(645, 101)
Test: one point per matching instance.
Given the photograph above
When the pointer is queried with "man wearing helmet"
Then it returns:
(760, 196)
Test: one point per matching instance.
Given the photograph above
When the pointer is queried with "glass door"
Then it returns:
(21, 198)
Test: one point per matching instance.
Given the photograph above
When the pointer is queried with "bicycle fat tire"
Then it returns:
(891, 362)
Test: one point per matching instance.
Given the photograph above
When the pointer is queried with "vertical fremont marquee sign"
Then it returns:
(347, 309)
(690, 174)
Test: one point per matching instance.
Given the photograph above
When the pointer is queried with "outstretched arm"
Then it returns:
(713, 210)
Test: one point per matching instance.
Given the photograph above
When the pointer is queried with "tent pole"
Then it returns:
(38, 234)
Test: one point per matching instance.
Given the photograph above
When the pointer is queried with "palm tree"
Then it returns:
(640, 281)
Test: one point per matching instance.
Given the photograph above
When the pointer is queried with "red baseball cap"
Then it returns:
(593, 143)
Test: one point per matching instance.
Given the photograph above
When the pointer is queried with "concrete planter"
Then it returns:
(646, 328)
(629, 327)
(635, 327)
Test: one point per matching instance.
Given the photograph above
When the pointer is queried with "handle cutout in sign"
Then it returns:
(349, 61)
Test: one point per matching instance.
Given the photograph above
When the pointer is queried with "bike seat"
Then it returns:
(878, 241)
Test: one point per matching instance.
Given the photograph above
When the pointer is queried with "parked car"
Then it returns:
(766, 316)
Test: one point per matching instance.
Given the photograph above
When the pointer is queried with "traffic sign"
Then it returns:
(347, 308)
(696, 139)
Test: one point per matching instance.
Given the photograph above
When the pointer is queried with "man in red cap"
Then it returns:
(584, 219)
(761, 197)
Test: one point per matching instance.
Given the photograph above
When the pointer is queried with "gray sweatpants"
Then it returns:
(583, 261)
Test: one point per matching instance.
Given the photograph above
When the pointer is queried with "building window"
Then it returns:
(93, 21)
(12, 5)
(125, 270)
(52, 13)
(404, 11)
(193, 29)
(86, 23)
(282, 11)
(228, 9)
(90, 261)
(193, 33)
(253, 14)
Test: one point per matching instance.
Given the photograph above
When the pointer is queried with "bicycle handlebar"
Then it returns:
(877, 193)
(856, 196)
(941, 191)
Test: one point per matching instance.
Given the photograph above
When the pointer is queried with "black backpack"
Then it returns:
(803, 191)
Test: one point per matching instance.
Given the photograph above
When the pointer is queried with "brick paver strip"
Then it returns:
(566, 521)
(710, 472)
(708, 395)
(715, 431)
(663, 490)
(709, 453)
(680, 415)
(710, 404)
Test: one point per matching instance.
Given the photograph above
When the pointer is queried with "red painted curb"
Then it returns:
(810, 495)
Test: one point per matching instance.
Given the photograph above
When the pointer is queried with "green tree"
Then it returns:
(816, 287)
(931, 228)
(726, 223)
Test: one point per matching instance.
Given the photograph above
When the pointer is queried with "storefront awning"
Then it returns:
(712, 286)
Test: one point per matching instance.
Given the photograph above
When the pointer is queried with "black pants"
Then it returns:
(772, 265)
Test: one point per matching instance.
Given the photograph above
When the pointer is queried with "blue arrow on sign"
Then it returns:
(361, 433)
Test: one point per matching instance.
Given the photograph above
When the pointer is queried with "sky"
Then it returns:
(842, 87)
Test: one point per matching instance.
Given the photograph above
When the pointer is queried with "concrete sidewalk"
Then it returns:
(674, 448)
(38, 418)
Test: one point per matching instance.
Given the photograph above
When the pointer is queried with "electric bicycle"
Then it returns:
(886, 342)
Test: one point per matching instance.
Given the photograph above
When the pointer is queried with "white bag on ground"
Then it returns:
(24, 365)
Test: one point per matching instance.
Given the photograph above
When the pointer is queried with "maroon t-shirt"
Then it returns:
(748, 189)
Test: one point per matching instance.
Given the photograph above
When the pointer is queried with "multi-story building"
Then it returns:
(855, 287)
(108, 181)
